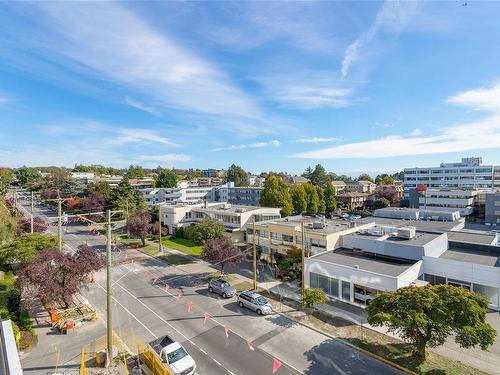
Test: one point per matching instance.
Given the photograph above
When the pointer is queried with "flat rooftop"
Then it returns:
(421, 238)
(233, 208)
(365, 262)
(330, 225)
(461, 255)
(420, 225)
(472, 237)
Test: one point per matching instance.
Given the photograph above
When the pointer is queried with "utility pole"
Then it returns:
(109, 347)
(126, 216)
(303, 259)
(32, 209)
(59, 221)
(159, 227)
(254, 257)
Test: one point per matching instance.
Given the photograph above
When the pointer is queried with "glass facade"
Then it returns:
(346, 290)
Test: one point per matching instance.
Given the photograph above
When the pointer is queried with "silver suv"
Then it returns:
(222, 287)
(255, 302)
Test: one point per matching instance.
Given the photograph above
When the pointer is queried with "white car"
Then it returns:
(174, 355)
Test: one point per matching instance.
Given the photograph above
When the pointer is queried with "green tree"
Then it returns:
(8, 224)
(426, 316)
(192, 174)
(314, 296)
(321, 199)
(381, 203)
(308, 172)
(6, 177)
(135, 171)
(276, 194)
(24, 248)
(123, 197)
(365, 177)
(299, 199)
(101, 187)
(312, 199)
(384, 179)
(318, 176)
(330, 201)
(237, 175)
(208, 229)
(26, 175)
(165, 179)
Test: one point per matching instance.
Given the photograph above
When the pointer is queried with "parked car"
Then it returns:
(222, 287)
(363, 295)
(255, 302)
(174, 355)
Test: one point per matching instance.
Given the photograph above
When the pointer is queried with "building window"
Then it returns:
(487, 291)
(346, 290)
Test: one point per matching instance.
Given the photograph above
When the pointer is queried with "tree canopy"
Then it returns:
(299, 199)
(207, 229)
(8, 224)
(135, 171)
(426, 316)
(330, 201)
(25, 247)
(384, 179)
(6, 177)
(26, 175)
(139, 224)
(276, 194)
(221, 251)
(313, 202)
(101, 187)
(237, 175)
(381, 203)
(318, 176)
(365, 177)
(166, 178)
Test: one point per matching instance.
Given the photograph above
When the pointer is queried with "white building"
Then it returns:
(469, 174)
(448, 200)
(187, 192)
(385, 258)
(234, 217)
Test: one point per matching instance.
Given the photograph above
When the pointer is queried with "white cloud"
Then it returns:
(388, 125)
(273, 143)
(165, 158)
(416, 133)
(143, 107)
(393, 17)
(309, 97)
(140, 136)
(481, 134)
(317, 140)
(107, 41)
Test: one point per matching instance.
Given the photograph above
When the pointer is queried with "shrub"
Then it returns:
(314, 296)
(179, 232)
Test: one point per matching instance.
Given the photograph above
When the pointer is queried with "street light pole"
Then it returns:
(32, 209)
(109, 346)
(59, 221)
(303, 259)
(254, 257)
(159, 227)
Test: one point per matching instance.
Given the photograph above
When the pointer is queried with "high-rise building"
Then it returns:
(469, 174)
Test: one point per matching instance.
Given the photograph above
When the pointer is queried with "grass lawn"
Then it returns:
(136, 243)
(182, 244)
(229, 278)
(174, 260)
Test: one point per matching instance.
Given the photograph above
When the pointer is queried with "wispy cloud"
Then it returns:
(165, 158)
(485, 133)
(5, 99)
(416, 132)
(309, 97)
(317, 140)
(241, 146)
(126, 136)
(107, 41)
(393, 17)
(143, 107)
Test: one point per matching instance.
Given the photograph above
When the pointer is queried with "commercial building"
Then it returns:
(209, 181)
(448, 200)
(469, 174)
(188, 192)
(386, 258)
(492, 208)
(278, 235)
(234, 217)
(416, 214)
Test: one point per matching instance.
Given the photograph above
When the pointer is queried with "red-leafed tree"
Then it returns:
(391, 195)
(221, 250)
(55, 276)
(93, 203)
(24, 225)
(139, 224)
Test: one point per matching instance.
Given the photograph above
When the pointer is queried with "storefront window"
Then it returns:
(346, 290)
(334, 287)
(487, 291)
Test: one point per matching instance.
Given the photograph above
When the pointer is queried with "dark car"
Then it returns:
(222, 287)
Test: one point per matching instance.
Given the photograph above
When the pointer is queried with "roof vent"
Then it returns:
(356, 266)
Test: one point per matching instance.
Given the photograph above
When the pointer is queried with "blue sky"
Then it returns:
(355, 86)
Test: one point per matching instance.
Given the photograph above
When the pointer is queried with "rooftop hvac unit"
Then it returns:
(407, 232)
(309, 225)
(241, 210)
(226, 206)
(318, 225)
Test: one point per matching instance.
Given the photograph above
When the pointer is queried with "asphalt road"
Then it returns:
(143, 308)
